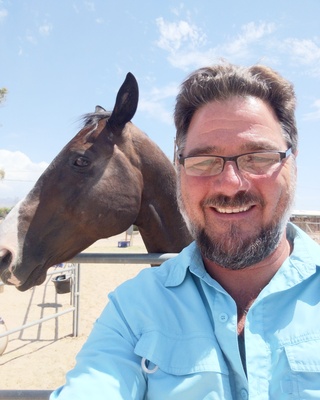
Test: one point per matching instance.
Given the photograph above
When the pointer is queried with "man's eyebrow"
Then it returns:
(259, 146)
(203, 150)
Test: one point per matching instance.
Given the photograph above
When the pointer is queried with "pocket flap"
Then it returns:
(182, 354)
(304, 356)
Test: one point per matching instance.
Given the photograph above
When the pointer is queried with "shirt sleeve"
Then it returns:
(106, 366)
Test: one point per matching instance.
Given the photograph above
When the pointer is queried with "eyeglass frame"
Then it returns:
(283, 156)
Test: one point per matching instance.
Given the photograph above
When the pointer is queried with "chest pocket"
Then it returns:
(185, 367)
(304, 361)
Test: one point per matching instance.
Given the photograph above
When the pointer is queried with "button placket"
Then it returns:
(223, 317)
(243, 394)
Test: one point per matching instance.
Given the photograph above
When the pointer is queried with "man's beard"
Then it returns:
(239, 253)
(231, 250)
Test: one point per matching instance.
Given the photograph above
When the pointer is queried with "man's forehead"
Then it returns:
(249, 125)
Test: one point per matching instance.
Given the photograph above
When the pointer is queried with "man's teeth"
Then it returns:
(230, 210)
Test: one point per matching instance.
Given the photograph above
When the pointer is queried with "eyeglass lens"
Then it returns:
(254, 163)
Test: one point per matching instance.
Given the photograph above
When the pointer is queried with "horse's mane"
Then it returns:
(94, 117)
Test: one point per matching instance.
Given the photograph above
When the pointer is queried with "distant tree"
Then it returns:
(3, 93)
(4, 211)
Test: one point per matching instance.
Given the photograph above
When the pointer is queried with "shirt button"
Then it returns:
(223, 317)
(244, 394)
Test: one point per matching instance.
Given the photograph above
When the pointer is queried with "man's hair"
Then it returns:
(224, 81)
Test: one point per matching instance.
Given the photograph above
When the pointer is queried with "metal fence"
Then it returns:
(25, 394)
(75, 280)
(83, 258)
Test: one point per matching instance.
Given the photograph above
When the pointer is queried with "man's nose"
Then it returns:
(230, 181)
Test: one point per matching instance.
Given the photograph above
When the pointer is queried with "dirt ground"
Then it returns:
(38, 357)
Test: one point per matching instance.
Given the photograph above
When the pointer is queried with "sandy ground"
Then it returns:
(39, 357)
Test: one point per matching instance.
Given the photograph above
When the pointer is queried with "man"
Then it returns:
(236, 314)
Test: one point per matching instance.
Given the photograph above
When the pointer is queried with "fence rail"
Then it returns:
(118, 258)
(25, 394)
(74, 269)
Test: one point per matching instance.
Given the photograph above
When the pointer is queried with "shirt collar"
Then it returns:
(178, 266)
(305, 258)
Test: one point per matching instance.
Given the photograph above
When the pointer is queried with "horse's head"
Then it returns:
(56, 220)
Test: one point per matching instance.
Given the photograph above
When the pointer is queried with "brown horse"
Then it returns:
(108, 177)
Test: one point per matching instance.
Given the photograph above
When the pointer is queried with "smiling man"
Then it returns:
(236, 204)
(236, 315)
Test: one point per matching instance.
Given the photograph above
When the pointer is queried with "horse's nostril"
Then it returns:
(5, 258)
(5, 262)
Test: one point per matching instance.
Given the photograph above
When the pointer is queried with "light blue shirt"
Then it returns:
(171, 333)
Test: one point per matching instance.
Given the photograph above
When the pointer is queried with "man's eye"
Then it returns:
(203, 164)
(265, 159)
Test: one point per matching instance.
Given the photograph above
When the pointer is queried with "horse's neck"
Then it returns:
(161, 234)
(160, 223)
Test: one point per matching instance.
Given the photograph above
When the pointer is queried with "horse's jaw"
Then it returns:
(36, 278)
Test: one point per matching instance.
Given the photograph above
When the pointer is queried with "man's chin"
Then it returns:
(237, 251)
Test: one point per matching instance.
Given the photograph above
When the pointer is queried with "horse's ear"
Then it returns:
(126, 104)
(99, 109)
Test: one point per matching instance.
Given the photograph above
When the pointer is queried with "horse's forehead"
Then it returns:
(90, 131)
(102, 140)
(95, 124)
(95, 118)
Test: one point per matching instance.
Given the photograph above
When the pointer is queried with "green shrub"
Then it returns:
(4, 211)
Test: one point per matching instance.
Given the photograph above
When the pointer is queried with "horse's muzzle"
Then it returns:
(5, 262)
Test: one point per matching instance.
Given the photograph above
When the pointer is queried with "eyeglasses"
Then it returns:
(257, 163)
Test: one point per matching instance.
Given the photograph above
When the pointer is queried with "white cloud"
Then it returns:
(251, 33)
(20, 175)
(156, 110)
(164, 93)
(315, 115)
(185, 42)
(154, 104)
(31, 38)
(193, 59)
(174, 35)
(3, 14)
(305, 51)
(45, 29)
(89, 5)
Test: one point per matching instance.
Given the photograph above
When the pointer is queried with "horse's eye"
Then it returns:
(81, 162)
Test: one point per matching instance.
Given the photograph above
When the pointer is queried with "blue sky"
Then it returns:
(60, 59)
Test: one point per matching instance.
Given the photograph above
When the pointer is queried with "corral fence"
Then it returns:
(308, 221)
(74, 271)
(74, 267)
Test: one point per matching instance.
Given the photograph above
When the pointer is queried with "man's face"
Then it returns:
(237, 218)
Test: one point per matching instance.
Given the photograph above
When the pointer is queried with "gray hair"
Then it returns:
(223, 81)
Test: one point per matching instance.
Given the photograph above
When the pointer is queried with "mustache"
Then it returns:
(241, 199)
